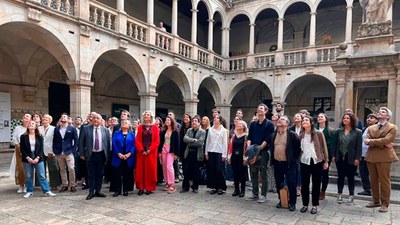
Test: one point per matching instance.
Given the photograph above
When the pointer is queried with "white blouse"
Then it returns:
(48, 135)
(217, 141)
(308, 150)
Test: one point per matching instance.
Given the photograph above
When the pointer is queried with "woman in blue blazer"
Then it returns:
(123, 162)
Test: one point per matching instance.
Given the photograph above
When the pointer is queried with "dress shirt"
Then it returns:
(94, 138)
(308, 150)
(364, 146)
(217, 141)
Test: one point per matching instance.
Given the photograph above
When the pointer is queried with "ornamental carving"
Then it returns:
(34, 14)
(375, 29)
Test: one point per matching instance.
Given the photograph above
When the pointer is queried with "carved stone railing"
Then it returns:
(103, 15)
(327, 53)
(164, 40)
(203, 56)
(136, 29)
(185, 49)
(265, 61)
(65, 6)
(237, 64)
(295, 57)
(218, 62)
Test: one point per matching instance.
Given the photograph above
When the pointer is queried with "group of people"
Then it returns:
(147, 153)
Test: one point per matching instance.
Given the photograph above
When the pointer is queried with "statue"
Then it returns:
(375, 11)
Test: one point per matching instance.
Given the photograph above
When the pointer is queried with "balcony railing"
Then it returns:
(65, 6)
(265, 61)
(218, 61)
(164, 40)
(237, 64)
(136, 29)
(185, 49)
(327, 53)
(103, 15)
(295, 57)
(203, 56)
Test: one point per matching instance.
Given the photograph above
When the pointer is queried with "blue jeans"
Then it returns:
(39, 169)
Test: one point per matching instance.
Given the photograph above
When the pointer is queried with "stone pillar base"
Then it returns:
(374, 46)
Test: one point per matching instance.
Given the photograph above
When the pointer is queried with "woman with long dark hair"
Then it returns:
(347, 154)
(215, 154)
(323, 126)
(313, 159)
(32, 158)
(168, 151)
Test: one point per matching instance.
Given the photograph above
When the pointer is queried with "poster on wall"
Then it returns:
(5, 117)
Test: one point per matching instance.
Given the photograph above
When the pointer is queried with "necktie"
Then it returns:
(96, 140)
(380, 126)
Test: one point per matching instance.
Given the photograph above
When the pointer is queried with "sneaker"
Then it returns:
(339, 199)
(20, 190)
(350, 200)
(262, 199)
(252, 198)
(49, 194)
(176, 180)
(24, 190)
(28, 194)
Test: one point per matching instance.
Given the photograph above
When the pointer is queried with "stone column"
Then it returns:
(389, 15)
(210, 34)
(225, 110)
(191, 106)
(120, 5)
(251, 39)
(194, 26)
(392, 95)
(339, 101)
(313, 24)
(147, 101)
(349, 94)
(84, 9)
(225, 42)
(80, 96)
(280, 34)
(150, 12)
(397, 112)
(174, 25)
(349, 23)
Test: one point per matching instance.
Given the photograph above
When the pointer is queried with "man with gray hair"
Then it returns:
(380, 156)
(285, 153)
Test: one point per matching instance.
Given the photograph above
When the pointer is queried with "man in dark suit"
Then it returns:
(380, 155)
(65, 142)
(94, 147)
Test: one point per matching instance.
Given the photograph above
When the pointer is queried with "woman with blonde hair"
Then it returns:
(147, 141)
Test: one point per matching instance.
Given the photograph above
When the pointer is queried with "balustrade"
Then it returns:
(65, 6)
(164, 41)
(327, 54)
(136, 30)
(103, 16)
(202, 56)
(218, 62)
(237, 64)
(265, 61)
(295, 57)
(185, 50)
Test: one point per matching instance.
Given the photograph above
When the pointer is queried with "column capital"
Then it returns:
(211, 20)
(226, 28)
(313, 13)
(252, 24)
(280, 19)
(349, 7)
(80, 83)
(194, 10)
(191, 100)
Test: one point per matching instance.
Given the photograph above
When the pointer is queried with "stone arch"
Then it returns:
(125, 61)
(208, 6)
(179, 78)
(222, 15)
(45, 36)
(291, 2)
(300, 91)
(212, 86)
(262, 8)
(237, 13)
(239, 86)
(209, 95)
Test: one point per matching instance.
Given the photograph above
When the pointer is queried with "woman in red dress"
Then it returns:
(147, 141)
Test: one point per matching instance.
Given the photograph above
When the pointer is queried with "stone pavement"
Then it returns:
(162, 208)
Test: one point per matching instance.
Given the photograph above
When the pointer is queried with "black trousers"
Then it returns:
(191, 171)
(283, 173)
(315, 171)
(122, 175)
(364, 174)
(215, 171)
(95, 167)
(239, 172)
(325, 178)
(345, 170)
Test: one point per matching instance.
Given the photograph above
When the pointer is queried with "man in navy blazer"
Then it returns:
(94, 147)
(65, 142)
